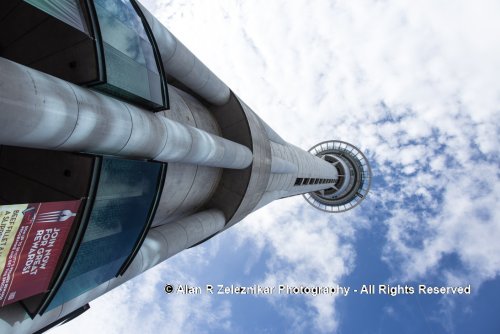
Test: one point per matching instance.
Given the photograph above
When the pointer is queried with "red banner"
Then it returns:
(32, 237)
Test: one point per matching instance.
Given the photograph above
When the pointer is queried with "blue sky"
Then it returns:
(415, 85)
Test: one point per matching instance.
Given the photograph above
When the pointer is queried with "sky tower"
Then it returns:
(119, 149)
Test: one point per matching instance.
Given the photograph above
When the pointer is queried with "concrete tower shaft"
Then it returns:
(79, 109)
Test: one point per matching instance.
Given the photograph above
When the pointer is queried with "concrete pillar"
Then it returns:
(42, 111)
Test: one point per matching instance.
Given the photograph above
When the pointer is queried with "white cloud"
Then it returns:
(467, 225)
(305, 248)
(415, 84)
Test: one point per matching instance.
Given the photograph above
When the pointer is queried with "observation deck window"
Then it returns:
(123, 206)
(132, 66)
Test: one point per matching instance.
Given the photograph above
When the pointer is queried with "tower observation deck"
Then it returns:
(353, 181)
(103, 108)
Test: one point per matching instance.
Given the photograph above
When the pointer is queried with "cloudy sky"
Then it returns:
(415, 85)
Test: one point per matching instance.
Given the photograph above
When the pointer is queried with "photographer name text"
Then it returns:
(315, 290)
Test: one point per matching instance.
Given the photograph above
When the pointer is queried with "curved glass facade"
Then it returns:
(122, 208)
(132, 70)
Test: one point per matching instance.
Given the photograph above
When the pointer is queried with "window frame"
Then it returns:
(103, 86)
(84, 223)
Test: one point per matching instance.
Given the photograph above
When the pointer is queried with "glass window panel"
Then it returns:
(154, 82)
(123, 11)
(128, 54)
(121, 209)
(134, 79)
(120, 36)
(149, 56)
